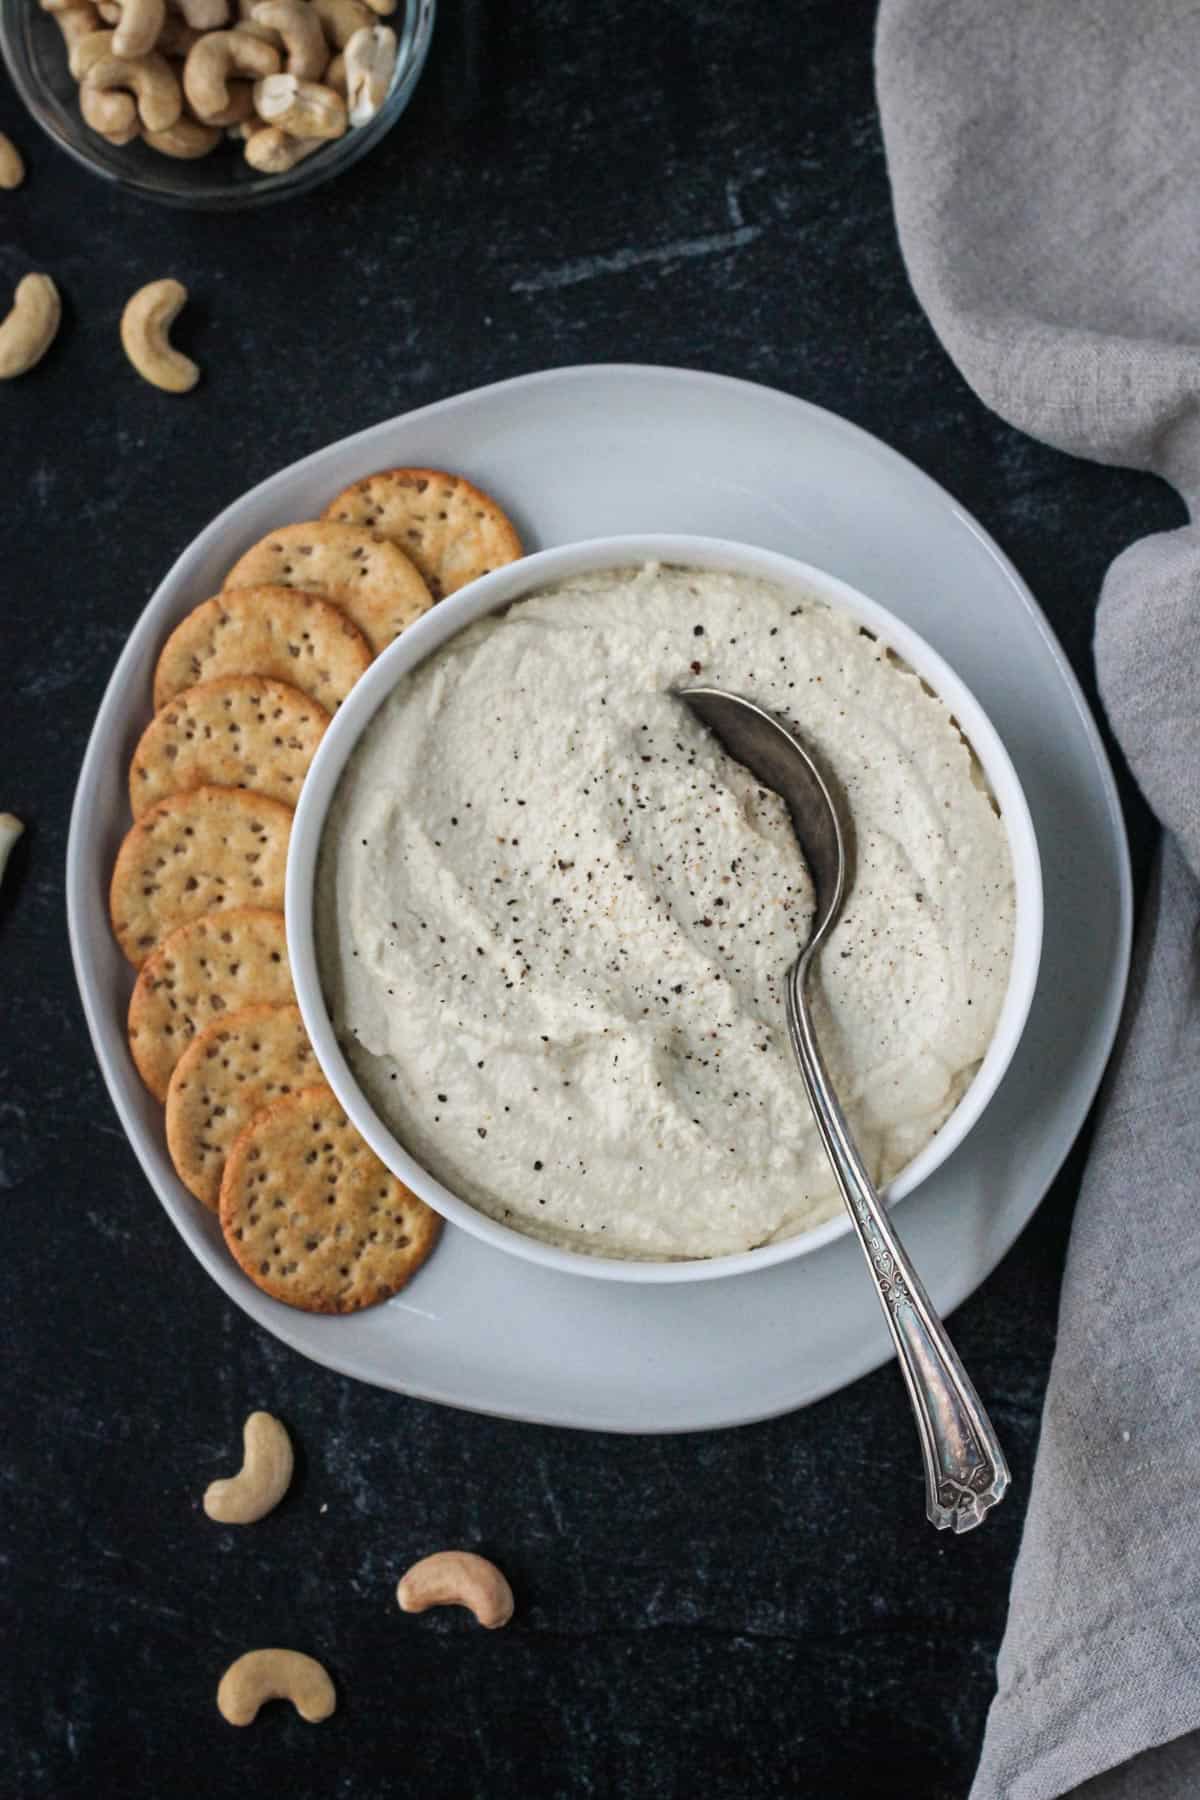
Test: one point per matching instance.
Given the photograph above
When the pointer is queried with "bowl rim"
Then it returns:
(518, 580)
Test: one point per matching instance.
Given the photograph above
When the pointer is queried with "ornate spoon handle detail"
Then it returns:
(965, 1470)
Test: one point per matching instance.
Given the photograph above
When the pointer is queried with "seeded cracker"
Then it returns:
(312, 1215)
(453, 531)
(368, 576)
(214, 847)
(277, 632)
(238, 731)
(202, 972)
(234, 1068)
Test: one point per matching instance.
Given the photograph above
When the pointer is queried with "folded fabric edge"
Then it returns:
(1111, 1702)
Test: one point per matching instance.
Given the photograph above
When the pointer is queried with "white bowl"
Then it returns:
(500, 589)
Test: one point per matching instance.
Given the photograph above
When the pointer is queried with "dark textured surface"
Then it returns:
(761, 1612)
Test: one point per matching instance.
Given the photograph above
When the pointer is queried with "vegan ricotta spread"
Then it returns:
(555, 918)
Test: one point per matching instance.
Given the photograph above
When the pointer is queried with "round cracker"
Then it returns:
(229, 1072)
(239, 731)
(313, 1216)
(209, 968)
(368, 576)
(453, 531)
(276, 632)
(192, 853)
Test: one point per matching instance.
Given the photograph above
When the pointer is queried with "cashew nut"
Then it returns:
(147, 319)
(151, 78)
(307, 53)
(140, 23)
(210, 64)
(262, 1675)
(247, 22)
(263, 1478)
(12, 168)
(10, 830)
(76, 23)
(458, 1578)
(335, 74)
(273, 152)
(29, 330)
(342, 18)
(114, 116)
(185, 140)
(383, 7)
(87, 51)
(370, 64)
(203, 15)
(303, 108)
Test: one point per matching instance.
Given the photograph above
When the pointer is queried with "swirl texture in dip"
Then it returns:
(554, 918)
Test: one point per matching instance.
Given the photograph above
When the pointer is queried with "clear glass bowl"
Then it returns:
(37, 60)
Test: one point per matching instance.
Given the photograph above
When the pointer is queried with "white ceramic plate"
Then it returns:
(593, 452)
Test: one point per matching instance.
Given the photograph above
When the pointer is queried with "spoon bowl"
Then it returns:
(758, 741)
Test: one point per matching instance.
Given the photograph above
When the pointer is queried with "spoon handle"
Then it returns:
(965, 1469)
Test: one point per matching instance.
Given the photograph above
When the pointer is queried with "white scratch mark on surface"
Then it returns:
(551, 1498)
(736, 216)
(587, 268)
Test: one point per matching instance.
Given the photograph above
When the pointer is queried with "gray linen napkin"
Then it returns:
(1045, 162)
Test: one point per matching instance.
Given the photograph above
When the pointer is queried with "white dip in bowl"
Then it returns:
(554, 918)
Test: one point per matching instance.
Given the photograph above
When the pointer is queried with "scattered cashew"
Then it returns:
(147, 319)
(87, 51)
(370, 59)
(203, 15)
(150, 78)
(262, 1675)
(28, 331)
(273, 152)
(295, 22)
(10, 830)
(458, 1578)
(12, 168)
(263, 1479)
(342, 18)
(185, 140)
(303, 108)
(210, 64)
(140, 23)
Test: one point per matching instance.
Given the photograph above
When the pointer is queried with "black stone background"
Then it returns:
(749, 1613)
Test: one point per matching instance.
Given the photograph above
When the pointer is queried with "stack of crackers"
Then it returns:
(243, 691)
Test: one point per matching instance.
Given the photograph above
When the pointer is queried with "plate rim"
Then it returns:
(259, 1307)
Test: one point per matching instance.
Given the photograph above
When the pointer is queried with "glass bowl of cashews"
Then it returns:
(216, 103)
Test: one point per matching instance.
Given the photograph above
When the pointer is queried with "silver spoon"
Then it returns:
(965, 1470)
